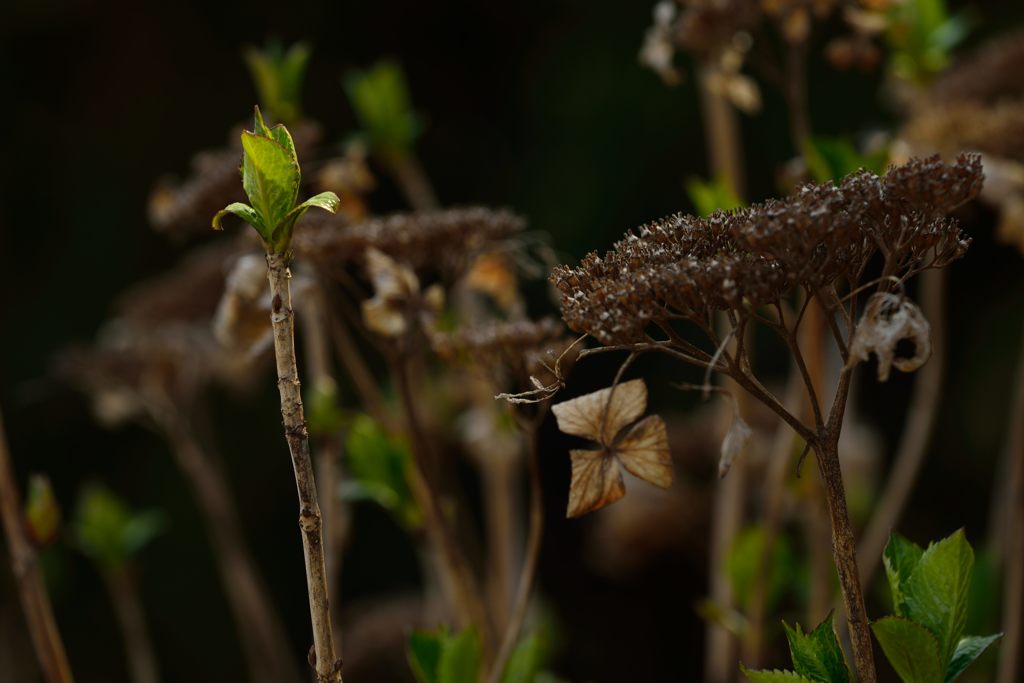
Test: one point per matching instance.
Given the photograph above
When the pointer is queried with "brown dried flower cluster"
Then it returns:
(683, 267)
(991, 75)
(186, 206)
(445, 241)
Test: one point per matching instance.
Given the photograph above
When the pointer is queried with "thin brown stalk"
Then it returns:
(921, 415)
(723, 135)
(529, 568)
(500, 481)
(1013, 560)
(35, 601)
(413, 182)
(458, 582)
(124, 596)
(326, 664)
(795, 92)
(262, 636)
(355, 367)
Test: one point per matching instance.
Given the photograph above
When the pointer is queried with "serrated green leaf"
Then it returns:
(967, 650)
(243, 211)
(424, 655)
(900, 557)
(525, 661)
(817, 655)
(773, 676)
(270, 178)
(935, 595)
(282, 235)
(912, 649)
(460, 658)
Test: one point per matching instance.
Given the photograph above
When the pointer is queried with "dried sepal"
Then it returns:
(733, 444)
(889, 319)
(604, 417)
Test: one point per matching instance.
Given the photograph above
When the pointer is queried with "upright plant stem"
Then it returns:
(262, 637)
(529, 569)
(326, 664)
(844, 549)
(413, 182)
(924, 407)
(124, 595)
(723, 138)
(35, 601)
(500, 480)
(458, 581)
(1013, 557)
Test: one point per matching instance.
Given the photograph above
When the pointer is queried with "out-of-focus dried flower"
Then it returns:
(445, 242)
(686, 267)
(733, 444)
(992, 74)
(658, 50)
(493, 276)
(889, 319)
(242, 320)
(603, 416)
(186, 206)
(397, 298)
(351, 179)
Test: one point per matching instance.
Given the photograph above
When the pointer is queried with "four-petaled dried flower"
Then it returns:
(604, 416)
(889, 319)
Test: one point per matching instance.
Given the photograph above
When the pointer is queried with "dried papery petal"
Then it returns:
(888, 319)
(733, 444)
(596, 482)
(601, 415)
(242, 320)
(644, 451)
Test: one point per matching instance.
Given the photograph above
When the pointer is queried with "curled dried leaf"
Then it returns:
(888, 319)
(733, 444)
(604, 417)
(396, 296)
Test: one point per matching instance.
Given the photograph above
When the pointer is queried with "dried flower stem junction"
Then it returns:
(750, 265)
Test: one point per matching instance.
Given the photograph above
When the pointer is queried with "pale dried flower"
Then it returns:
(604, 417)
(397, 299)
(735, 441)
(889, 319)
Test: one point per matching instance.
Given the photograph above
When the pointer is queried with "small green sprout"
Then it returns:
(921, 38)
(832, 159)
(817, 657)
(110, 533)
(278, 74)
(709, 196)
(380, 98)
(271, 178)
(445, 657)
(42, 514)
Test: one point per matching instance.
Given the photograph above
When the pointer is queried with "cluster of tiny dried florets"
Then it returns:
(683, 267)
(445, 241)
(186, 206)
(514, 350)
(991, 75)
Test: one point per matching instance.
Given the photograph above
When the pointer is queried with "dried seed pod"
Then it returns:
(604, 417)
(889, 319)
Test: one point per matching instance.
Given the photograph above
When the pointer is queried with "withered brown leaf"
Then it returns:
(604, 417)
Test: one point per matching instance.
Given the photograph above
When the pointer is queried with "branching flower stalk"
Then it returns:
(749, 263)
(271, 177)
(35, 601)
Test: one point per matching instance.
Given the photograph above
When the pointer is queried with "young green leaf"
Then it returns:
(380, 98)
(911, 649)
(743, 561)
(460, 658)
(108, 531)
(243, 211)
(900, 558)
(378, 468)
(270, 177)
(817, 655)
(278, 76)
(42, 514)
(444, 657)
(935, 595)
(709, 196)
(773, 676)
(831, 159)
(967, 650)
(424, 655)
(525, 661)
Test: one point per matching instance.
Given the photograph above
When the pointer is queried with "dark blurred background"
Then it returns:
(539, 106)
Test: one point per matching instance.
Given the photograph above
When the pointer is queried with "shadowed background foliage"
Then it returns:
(539, 106)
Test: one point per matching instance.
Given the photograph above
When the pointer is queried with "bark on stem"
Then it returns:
(124, 595)
(326, 664)
(529, 571)
(35, 601)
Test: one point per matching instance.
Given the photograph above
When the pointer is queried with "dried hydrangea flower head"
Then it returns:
(889, 319)
(445, 242)
(683, 267)
(605, 417)
(397, 301)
